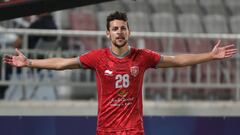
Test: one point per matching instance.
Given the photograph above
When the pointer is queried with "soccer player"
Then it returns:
(120, 70)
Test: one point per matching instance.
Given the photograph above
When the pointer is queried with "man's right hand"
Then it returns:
(18, 60)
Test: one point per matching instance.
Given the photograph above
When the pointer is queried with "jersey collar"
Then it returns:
(123, 56)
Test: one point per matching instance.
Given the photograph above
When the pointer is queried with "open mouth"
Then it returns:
(120, 38)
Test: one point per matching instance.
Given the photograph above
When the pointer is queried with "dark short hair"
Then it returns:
(116, 16)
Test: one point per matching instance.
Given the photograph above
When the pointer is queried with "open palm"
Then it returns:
(223, 52)
(18, 60)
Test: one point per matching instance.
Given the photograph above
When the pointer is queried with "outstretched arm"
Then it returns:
(181, 60)
(20, 60)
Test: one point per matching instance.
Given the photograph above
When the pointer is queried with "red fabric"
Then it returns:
(119, 84)
(121, 133)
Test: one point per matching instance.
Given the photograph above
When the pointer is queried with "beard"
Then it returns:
(119, 45)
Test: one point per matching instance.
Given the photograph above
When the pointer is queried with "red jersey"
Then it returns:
(119, 83)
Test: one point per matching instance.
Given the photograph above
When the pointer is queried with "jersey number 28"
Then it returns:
(122, 81)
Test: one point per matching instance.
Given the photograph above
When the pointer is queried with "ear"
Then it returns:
(108, 34)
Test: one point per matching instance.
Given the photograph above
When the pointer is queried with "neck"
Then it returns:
(120, 52)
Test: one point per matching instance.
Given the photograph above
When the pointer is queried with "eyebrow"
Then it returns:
(119, 27)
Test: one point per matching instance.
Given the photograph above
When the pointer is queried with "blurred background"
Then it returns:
(165, 26)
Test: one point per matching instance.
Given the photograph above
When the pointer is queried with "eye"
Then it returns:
(114, 28)
(124, 28)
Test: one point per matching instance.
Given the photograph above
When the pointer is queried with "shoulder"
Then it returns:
(148, 55)
(101, 50)
(97, 51)
(144, 51)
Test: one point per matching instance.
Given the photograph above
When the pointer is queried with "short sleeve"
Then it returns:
(151, 58)
(88, 60)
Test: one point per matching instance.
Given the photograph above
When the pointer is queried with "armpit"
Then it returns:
(80, 63)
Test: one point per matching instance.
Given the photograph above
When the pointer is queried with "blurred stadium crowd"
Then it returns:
(167, 16)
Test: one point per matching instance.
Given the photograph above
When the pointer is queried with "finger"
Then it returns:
(230, 53)
(228, 56)
(218, 43)
(10, 63)
(18, 52)
(230, 50)
(7, 61)
(229, 46)
(7, 56)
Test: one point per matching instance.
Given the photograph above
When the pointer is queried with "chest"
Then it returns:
(111, 67)
(120, 72)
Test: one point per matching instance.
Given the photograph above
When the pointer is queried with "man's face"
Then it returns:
(118, 33)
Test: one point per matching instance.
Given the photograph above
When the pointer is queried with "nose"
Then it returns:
(119, 31)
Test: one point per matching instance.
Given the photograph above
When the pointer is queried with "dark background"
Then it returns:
(80, 125)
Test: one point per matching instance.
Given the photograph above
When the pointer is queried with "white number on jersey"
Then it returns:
(122, 81)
